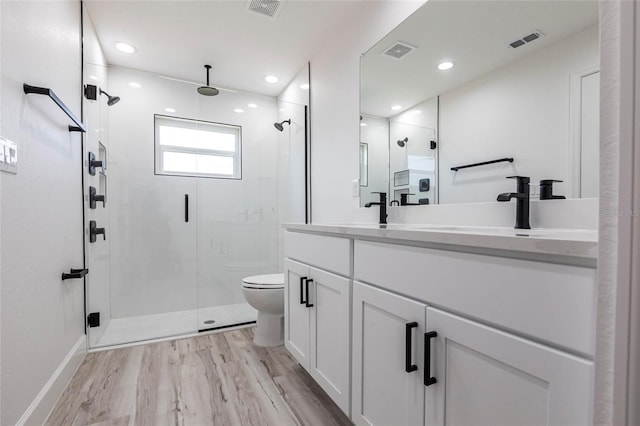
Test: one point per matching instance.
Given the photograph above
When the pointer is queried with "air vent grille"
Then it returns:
(526, 39)
(269, 8)
(399, 50)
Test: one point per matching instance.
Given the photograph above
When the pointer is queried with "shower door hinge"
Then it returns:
(93, 320)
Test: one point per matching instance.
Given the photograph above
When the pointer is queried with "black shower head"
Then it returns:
(402, 142)
(111, 100)
(280, 126)
(208, 90)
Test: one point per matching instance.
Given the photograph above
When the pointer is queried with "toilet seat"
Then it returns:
(264, 282)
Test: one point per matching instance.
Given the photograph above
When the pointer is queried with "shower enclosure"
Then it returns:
(188, 215)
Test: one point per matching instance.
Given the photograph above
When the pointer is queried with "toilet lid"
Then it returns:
(268, 280)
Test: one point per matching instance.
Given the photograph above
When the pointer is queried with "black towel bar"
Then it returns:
(79, 126)
(509, 159)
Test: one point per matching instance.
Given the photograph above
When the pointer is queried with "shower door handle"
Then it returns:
(186, 207)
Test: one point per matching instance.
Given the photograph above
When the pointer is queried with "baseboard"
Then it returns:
(42, 405)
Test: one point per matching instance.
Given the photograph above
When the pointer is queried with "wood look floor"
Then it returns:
(214, 379)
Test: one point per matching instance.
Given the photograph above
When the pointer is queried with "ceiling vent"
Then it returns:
(399, 50)
(269, 8)
(526, 39)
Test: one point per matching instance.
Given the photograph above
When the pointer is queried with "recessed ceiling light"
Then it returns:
(416, 111)
(170, 110)
(238, 110)
(93, 77)
(363, 124)
(125, 47)
(135, 85)
(271, 79)
(252, 106)
(396, 108)
(443, 66)
(304, 86)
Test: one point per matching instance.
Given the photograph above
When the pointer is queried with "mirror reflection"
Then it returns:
(473, 82)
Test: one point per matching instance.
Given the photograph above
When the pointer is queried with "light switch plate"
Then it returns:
(355, 188)
(9, 156)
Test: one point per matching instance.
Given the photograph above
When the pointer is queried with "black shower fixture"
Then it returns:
(208, 90)
(280, 126)
(402, 142)
(111, 100)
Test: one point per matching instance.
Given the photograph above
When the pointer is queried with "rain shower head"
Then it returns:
(402, 142)
(111, 100)
(208, 90)
(280, 126)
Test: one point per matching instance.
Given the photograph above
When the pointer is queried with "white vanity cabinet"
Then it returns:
(387, 358)
(484, 376)
(317, 311)
(442, 333)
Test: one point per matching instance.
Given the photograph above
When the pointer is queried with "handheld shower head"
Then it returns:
(111, 100)
(280, 126)
(402, 142)
(208, 90)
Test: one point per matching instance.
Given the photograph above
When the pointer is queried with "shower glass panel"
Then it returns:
(178, 246)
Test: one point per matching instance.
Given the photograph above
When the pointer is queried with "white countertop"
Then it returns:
(574, 243)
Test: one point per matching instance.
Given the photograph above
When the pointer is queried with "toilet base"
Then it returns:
(270, 330)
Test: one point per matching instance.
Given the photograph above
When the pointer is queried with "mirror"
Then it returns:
(521, 84)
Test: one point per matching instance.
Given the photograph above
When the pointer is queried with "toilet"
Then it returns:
(266, 294)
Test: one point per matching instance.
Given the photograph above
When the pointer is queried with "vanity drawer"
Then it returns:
(545, 301)
(329, 253)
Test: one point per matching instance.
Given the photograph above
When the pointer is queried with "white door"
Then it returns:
(296, 312)
(330, 334)
(386, 327)
(488, 377)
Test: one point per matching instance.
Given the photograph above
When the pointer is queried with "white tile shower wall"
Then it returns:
(96, 119)
(159, 262)
(41, 316)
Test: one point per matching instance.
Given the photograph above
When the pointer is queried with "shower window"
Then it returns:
(185, 147)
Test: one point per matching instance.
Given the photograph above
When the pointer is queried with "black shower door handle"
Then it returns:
(428, 379)
(186, 207)
(408, 367)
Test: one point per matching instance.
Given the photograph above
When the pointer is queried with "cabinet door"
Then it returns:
(296, 313)
(489, 377)
(330, 335)
(384, 393)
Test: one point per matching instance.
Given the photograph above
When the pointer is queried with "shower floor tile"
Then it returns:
(147, 327)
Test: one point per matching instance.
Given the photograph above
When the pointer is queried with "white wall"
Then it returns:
(159, 263)
(376, 135)
(335, 109)
(41, 237)
(520, 111)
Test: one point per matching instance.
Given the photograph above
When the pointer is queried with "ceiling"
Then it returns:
(473, 34)
(176, 38)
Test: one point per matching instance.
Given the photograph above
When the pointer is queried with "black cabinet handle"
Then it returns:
(186, 207)
(74, 273)
(306, 283)
(302, 280)
(408, 367)
(428, 379)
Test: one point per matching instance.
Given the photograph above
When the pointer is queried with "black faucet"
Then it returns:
(546, 190)
(404, 200)
(522, 201)
(383, 206)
